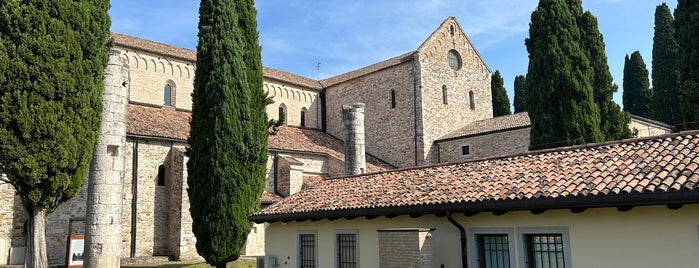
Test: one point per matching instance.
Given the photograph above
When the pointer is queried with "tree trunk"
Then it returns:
(35, 256)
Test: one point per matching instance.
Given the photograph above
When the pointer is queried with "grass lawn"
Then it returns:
(241, 263)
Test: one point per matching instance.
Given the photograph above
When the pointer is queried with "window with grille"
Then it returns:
(466, 150)
(493, 251)
(544, 250)
(307, 250)
(347, 250)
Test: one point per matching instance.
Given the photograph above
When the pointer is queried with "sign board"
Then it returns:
(74, 251)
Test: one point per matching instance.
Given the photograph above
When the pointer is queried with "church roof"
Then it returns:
(490, 125)
(648, 171)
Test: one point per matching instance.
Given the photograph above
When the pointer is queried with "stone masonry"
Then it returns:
(355, 156)
(406, 248)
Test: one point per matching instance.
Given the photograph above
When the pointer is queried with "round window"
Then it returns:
(454, 59)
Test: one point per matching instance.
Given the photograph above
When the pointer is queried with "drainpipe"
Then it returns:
(464, 253)
(134, 198)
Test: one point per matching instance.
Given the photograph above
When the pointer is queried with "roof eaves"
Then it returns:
(407, 57)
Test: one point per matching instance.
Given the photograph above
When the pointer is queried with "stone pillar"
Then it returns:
(355, 156)
(105, 184)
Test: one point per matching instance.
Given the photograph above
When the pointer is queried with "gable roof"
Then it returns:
(490, 125)
(460, 30)
(648, 171)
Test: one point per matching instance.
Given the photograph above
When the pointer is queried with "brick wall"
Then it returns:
(405, 247)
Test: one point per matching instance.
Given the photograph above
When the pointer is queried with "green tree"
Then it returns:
(228, 139)
(501, 103)
(637, 96)
(52, 59)
(614, 123)
(666, 96)
(520, 101)
(559, 89)
(686, 29)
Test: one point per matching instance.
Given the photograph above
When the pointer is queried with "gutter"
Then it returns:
(462, 232)
(134, 197)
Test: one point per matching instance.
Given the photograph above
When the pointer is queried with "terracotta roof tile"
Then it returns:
(541, 175)
(368, 69)
(500, 123)
(122, 40)
(157, 122)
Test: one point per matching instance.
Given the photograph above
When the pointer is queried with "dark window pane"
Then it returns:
(307, 248)
(493, 251)
(347, 250)
(544, 250)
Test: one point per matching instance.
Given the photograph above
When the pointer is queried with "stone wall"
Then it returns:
(294, 99)
(12, 221)
(488, 145)
(646, 129)
(439, 118)
(389, 131)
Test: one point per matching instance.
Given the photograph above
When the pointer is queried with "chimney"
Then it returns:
(355, 157)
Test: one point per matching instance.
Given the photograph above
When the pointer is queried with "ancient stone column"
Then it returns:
(105, 183)
(355, 156)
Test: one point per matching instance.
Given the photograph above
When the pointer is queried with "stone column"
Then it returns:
(105, 184)
(355, 156)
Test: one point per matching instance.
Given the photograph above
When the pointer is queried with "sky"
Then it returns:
(321, 39)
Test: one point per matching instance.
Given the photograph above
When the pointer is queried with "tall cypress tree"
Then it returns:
(52, 60)
(614, 123)
(686, 29)
(228, 139)
(637, 96)
(501, 102)
(520, 101)
(559, 92)
(666, 96)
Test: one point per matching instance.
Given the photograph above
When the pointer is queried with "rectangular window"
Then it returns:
(493, 251)
(466, 150)
(307, 250)
(346, 245)
(544, 250)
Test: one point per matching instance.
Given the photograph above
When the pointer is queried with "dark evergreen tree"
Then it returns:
(614, 123)
(686, 32)
(520, 101)
(637, 96)
(666, 96)
(52, 59)
(501, 102)
(228, 139)
(559, 89)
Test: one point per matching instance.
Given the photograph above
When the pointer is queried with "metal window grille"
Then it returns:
(544, 250)
(307, 251)
(493, 251)
(347, 250)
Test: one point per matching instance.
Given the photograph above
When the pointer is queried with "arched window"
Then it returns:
(393, 99)
(167, 92)
(161, 175)
(444, 95)
(303, 117)
(451, 30)
(282, 113)
(471, 100)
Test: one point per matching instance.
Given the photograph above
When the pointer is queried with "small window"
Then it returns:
(444, 95)
(393, 99)
(454, 59)
(493, 251)
(303, 117)
(466, 150)
(471, 100)
(161, 175)
(282, 113)
(346, 245)
(167, 92)
(307, 250)
(451, 30)
(544, 250)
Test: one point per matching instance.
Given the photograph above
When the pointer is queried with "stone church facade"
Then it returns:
(416, 108)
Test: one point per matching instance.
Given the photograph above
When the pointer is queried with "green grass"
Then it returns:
(241, 263)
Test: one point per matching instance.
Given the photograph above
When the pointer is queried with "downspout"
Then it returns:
(464, 253)
(275, 169)
(134, 198)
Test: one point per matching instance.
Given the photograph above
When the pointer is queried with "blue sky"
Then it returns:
(345, 35)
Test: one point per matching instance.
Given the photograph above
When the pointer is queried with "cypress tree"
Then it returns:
(52, 59)
(666, 96)
(501, 102)
(520, 101)
(686, 29)
(614, 123)
(637, 93)
(228, 139)
(559, 92)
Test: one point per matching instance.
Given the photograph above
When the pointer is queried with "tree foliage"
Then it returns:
(614, 123)
(52, 58)
(686, 30)
(637, 96)
(228, 139)
(559, 88)
(520, 100)
(501, 102)
(666, 96)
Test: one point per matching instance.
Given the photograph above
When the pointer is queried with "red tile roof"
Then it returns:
(490, 125)
(657, 170)
(407, 57)
(157, 122)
